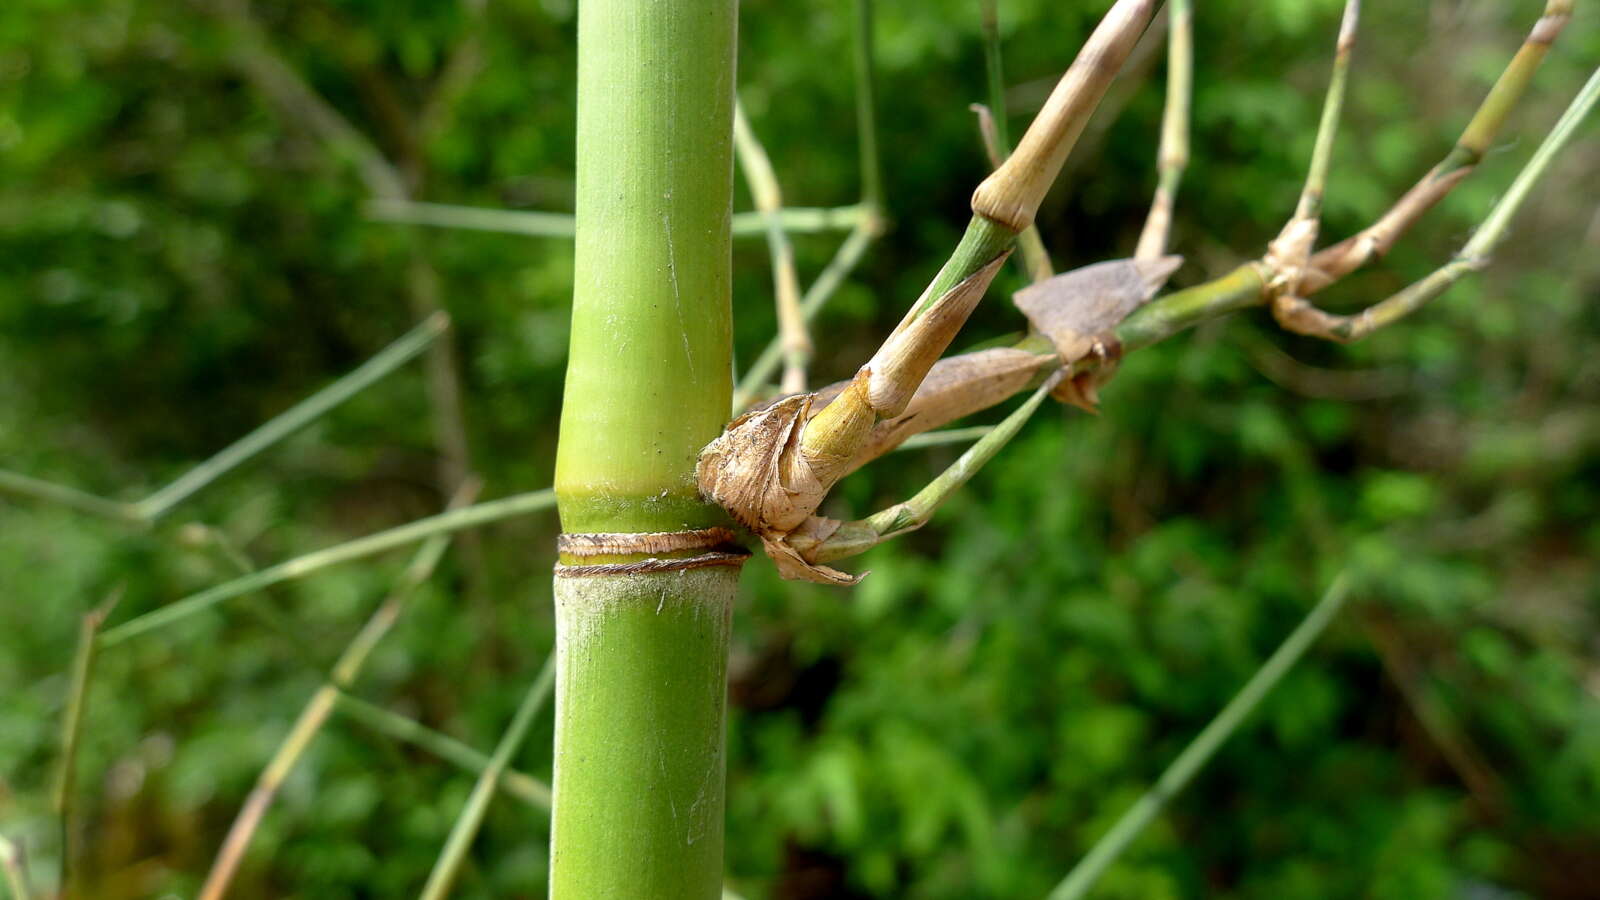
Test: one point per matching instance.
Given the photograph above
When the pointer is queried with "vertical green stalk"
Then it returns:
(642, 647)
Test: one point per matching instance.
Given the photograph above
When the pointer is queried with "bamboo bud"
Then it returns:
(1012, 193)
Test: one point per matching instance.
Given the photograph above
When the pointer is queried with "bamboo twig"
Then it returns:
(316, 712)
(1300, 316)
(71, 732)
(865, 59)
(796, 220)
(520, 785)
(768, 196)
(1199, 752)
(857, 537)
(466, 827)
(1173, 156)
(301, 566)
(816, 297)
(406, 348)
(1032, 257)
(947, 436)
(19, 485)
(1373, 242)
(993, 126)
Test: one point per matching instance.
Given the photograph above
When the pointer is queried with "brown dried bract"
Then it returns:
(1080, 310)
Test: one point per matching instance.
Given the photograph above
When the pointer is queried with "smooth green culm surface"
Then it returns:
(648, 378)
(641, 670)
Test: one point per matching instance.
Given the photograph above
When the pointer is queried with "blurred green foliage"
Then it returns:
(179, 261)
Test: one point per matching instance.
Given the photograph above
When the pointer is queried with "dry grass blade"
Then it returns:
(316, 712)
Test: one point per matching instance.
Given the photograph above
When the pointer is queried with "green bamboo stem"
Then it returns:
(319, 708)
(1172, 158)
(796, 220)
(641, 649)
(1310, 205)
(461, 836)
(307, 564)
(71, 731)
(1199, 752)
(517, 784)
(392, 357)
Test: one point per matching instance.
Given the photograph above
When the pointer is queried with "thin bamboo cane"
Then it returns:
(1199, 752)
(71, 730)
(795, 219)
(1173, 155)
(462, 833)
(763, 182)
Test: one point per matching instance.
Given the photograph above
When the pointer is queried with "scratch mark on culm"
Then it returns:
(677, 296)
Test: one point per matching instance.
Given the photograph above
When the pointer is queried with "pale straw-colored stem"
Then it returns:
(768, 196)
(1173, 156)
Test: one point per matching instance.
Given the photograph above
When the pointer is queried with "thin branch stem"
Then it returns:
(1300, 316)
(467, 824)
(994, 68)
(816, 297)
(71, 732)
(1173, 156)
(1199, 752)
(316, 712)
(947, 436)
(796, 220)
(387, 360)
(768, 196)
(1373, 242)
(19, 485)
(520, 785)
(858, 537)
(867, 110)
(302, 566)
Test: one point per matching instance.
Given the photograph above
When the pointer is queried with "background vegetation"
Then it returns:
(179, 262)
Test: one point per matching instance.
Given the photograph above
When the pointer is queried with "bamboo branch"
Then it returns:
(768, 196)
(941, 438)
(71, 730)
(302, 566)
(520, 785)
(316, 712)
(867, 110)
(816, 297)
(406, 348)
(853, 538)
(466, 827)
(796, 220)
(1199, 752)
(1300, 316)
(1373, 242)
(1173, 156)
(19, 485)
(1031, 254)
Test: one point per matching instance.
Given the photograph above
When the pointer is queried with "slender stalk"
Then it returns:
(867, 110)
(390, 358)
(302, 566)
(642, 636)
(520, 785)
(816, 297)
(948, 436)
(466, 828)
(796, 220)
(764, 189)
(1374, 241)
(1173, 156)
(71, 731)
(316, 712)
(1199, 752)
(19, 485)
